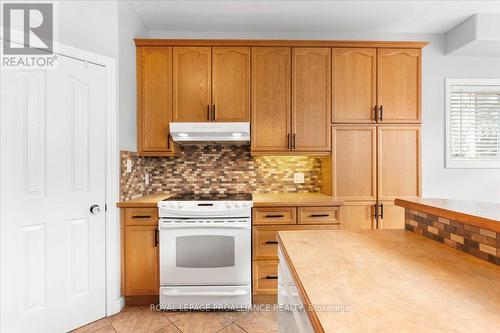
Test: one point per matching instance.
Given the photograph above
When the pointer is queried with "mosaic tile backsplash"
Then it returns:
(479, 242)
(217, 168)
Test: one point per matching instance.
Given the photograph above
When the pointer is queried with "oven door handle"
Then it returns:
(202, 225)
(205, 293)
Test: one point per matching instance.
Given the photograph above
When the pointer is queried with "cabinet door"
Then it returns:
(358, 215)
(271, 98)
(391, 216)
(231, 83)
(354, 166)
(354, 85)
(398, 161)
(399, 85)
(141, 261)
(154, 98)
(192, 91)
(311, 99)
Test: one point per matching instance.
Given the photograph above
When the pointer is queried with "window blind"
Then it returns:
(474, 124)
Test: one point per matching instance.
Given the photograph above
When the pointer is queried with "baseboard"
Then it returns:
(141, 300)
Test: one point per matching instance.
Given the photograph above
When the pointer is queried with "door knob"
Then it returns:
(95, 209)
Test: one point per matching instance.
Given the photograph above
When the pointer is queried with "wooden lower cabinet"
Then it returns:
(358, 215)
(391, 216)
(265, 246)
(265, 277)
(140, 252)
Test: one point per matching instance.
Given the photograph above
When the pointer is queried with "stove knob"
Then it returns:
(228, 205)
(179, 205)
(236, 205)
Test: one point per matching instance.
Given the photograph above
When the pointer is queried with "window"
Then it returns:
(473, 123)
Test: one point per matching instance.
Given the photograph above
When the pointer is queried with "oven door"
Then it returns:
(213, 254)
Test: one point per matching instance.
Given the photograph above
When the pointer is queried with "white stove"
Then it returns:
(205, 251)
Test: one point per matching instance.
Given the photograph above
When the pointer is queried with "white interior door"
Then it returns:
(52, 172)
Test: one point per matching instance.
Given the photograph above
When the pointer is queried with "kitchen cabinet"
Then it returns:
(398, 88)
(376, 85)
(398, 161)
(141, 261)
(231, 84)
(192, 83)
(311, 99)
(140, 254)
(271, 113)
(300, 76)
(354, 156)
(354, 85)
(154, 100)
(358, 215)
(211, 84)
(267, 221)
(373, 165)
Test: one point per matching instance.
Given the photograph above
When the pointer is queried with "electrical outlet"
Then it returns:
(146, 178)
(298, 178)
(129, 165)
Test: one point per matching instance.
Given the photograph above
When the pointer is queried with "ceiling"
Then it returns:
(432, 16)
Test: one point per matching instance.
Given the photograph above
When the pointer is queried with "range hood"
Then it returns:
(203, 133)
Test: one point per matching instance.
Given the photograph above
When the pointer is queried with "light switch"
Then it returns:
(146, 178)
(298, 178)
(129, 165)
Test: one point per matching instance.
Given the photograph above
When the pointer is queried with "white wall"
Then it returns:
(130, 26)
(470, 184)
(89, 25)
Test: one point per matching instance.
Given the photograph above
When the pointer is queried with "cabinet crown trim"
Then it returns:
(289, 43)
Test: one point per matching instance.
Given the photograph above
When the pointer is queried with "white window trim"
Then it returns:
(464, 164)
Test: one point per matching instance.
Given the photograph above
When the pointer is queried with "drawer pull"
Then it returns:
(271, 242)
(271, 277)
(275, 215)
(319, 215)
(141, 216)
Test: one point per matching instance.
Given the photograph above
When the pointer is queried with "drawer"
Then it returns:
(265, 277)
(318, 215)
(141, 216)
(265, 245)
(274, 215)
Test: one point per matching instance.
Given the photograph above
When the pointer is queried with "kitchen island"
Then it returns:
(384, 280)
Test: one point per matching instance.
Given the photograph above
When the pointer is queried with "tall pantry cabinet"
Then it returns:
(375, 134)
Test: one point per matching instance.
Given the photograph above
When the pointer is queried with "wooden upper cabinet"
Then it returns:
(192, 79)
(271, 98)
(231, 83)
(154, 99)
(355, 162)
(399, 85)
(311, 99)
(398, 161)
(354, 85)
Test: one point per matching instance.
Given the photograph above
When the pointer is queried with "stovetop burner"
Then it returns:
(212, 196)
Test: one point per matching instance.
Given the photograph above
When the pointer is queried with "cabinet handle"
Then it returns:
(375, 215)
(289, 141)
(213, 113)
(141, 216)
(271, 242)
(382, 211)
(208, 113)
(156, 237)
(271, 277)
(375, 113)
(381, 113)
(293, 140)
(275, 215)
(319, 215)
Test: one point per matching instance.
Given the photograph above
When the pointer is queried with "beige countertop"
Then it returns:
(482, 214)
(392, 281)
(259, 200)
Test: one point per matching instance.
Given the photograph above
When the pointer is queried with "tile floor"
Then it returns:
(139, 319)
